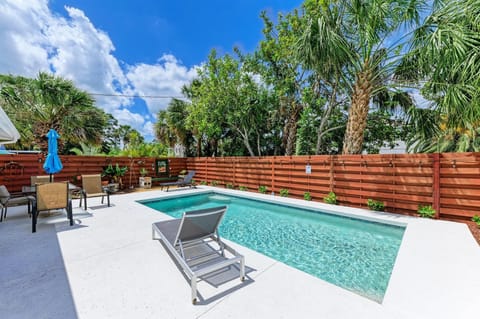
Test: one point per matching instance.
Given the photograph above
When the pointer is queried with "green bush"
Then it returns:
(331, 198)
(284, 192)
(214, 183)
(426, 211)
(307, 196)
(476, 219)
(375, 205)
(203, 183)
(229, 185)
(262, 189)
(243, 188)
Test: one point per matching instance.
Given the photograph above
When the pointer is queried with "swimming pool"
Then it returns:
(351, 253)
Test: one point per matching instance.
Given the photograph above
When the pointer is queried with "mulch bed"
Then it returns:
(475, 230)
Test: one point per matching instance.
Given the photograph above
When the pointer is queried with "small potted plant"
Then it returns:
(114, 174)
(144, 181)
(262, 189)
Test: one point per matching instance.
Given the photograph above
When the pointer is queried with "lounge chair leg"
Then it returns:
(194, 289)
(242, 269)
(108, 200)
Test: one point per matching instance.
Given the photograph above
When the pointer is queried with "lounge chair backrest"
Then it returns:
(34, 180)
(52, 196)
(188, 177)
(4, 191)
(92, 184)
(4, 194)
(199, 223)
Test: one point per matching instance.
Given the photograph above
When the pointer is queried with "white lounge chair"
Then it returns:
(194, 242)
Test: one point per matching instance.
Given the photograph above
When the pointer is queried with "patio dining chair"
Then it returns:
(51, 196)
(8, 199)
(92, 187)
(195, 244)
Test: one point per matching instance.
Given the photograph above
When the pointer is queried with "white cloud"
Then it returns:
(34, 39)
(165, 78)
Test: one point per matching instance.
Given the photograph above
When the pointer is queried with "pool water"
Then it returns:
(351, 253)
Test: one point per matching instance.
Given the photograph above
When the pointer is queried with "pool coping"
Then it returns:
(425, 240)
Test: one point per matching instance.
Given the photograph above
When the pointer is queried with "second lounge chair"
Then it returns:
(186, 181)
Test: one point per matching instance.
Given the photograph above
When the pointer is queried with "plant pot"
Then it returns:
(115, 187)
(145, 182)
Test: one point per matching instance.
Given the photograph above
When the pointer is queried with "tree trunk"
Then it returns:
(291, 129)
(357, 115)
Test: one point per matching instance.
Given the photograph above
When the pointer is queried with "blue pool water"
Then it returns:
(351, 253)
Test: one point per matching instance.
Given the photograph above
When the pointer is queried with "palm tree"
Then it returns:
(348, 41)
(444, 61)
(52, 102)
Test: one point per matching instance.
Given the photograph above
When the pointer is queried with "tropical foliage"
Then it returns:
(333, 76)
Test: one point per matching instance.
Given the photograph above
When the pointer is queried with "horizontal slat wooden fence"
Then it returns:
(450, 182)
(77, 165)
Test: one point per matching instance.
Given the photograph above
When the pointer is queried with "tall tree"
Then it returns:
(444, 62)
(51, 102)
(281, 70)
(228, 101)
(352, 39)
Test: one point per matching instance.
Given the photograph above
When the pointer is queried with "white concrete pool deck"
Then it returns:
(107, 266)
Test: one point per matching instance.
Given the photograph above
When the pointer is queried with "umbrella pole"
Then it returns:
(51, 178)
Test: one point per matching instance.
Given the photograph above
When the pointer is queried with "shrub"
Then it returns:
(307, 196)
(214, 183)
(476, 219)
(229, 185)
(375, 205)
(331, 198)
(243, 188)
(426, 211)
(203, 183)
(262, 189)
(284, 192)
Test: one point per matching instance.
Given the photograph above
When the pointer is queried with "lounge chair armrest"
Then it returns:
(17, 194)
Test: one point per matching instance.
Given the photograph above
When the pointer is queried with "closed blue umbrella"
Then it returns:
(52, 164)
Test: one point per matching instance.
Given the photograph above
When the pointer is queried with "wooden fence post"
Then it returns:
(273, 173)
(436, 184)
(332, 168)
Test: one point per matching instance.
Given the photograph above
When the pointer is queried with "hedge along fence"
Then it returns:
(450, 182)
(32, 164)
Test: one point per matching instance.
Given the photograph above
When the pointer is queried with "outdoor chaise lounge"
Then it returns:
(194, 242)
(186, 181)
(7, 200)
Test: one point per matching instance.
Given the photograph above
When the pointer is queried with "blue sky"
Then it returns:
(131, 47)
